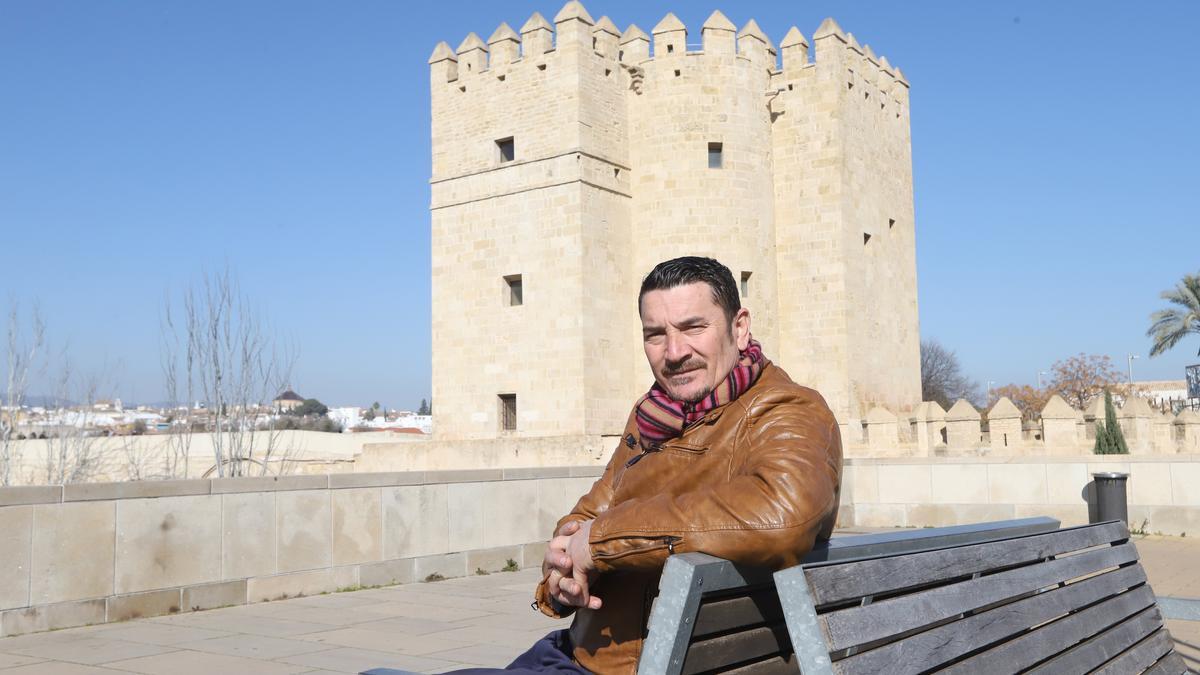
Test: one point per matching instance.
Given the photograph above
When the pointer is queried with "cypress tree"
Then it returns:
(1102, 444)
(1110, 440)
(1116, 437)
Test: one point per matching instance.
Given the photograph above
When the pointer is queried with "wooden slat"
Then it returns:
(1053, 638)
(1171, 664)
(1097, 650)
(866, 624)
(735, 648)
(775, 665)
(726, 614)
(1140, 656)
(943, 644)
(846, 581)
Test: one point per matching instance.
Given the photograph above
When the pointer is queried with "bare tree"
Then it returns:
(226, 358)
(942, 379)
(22, 352)
(73, 454)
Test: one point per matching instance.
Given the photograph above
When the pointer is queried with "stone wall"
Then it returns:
(1060, 430)
(1164, 493)
(101, 552)
(118, 458)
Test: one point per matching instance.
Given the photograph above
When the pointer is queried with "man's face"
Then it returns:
(688, 341)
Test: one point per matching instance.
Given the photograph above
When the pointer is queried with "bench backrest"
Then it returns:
(1067, 601)
(714, 616)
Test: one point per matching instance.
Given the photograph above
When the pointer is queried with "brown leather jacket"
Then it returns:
(756, 481)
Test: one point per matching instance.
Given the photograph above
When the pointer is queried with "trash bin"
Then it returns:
(1111, 503)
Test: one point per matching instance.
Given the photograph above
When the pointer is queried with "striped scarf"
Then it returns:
(660, 417)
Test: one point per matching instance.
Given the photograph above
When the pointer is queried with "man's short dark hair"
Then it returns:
(690, 270)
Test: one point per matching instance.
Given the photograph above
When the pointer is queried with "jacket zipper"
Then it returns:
(669, 541)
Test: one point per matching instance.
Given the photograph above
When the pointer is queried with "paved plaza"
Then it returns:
(427, 627)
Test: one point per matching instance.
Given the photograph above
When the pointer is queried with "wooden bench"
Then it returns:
(714, 616)
(1074, 600)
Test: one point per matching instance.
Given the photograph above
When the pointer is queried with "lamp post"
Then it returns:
(1040, 374)
(1129, 359)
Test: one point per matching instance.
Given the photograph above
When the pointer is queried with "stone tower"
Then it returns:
(571, 158)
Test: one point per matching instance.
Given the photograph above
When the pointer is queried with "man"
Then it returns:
(724, 455)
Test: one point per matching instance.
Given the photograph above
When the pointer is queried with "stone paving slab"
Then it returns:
(425, 627)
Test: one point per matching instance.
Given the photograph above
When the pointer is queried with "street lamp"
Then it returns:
(1129, 359)
(1040, 374)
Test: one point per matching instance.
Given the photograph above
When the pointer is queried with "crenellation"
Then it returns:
(605, 37)
(443, 65)
(753, 44)
(472, 55)
(504, 47)
(670, 37)
(537, 37)
(795, 52)
(718, 34)
(634, 45)
(573, 27)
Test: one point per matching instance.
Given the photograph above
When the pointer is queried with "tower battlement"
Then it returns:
(569, 157)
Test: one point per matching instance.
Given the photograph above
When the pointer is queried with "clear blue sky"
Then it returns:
(142, 141)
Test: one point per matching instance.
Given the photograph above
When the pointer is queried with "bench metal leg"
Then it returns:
(812, 654)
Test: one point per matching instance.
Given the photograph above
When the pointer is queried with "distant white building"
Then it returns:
(348, 417)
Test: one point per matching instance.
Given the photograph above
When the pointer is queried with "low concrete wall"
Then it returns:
(1164, 492)
(511, 451)
(100, 552)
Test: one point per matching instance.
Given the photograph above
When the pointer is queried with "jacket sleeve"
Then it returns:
(781, 494)
(590, 505)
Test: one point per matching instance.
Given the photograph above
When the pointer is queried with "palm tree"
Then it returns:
(1169, 326)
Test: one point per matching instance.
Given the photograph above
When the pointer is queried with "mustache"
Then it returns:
(671, 369)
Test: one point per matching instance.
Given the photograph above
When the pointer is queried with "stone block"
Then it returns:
(945, 515)
(52, 617)
(880, 515)
(1150, 484)
(556, 497)
(492, 559)
(1066, 482)
(212, 596)
(72, 556)
(415, 521)
(346, 577)
(1185, 483)
(1017, 483)
(269, 483)
(536, 472)
(294, 585)
(16, 535)
(1175, 521)
(248, 535)
(860, 483)
(138, 605)
(904, 484)
(448, 565)
(465, 506)
(533, 554)
(303, 521)
(1068, 515)
(17, 495)
(357, 525)
(388, 572)
(339, 481)
(508, 507)
(134, 489)
(464, 476)
(166, 542)
(959, 483)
